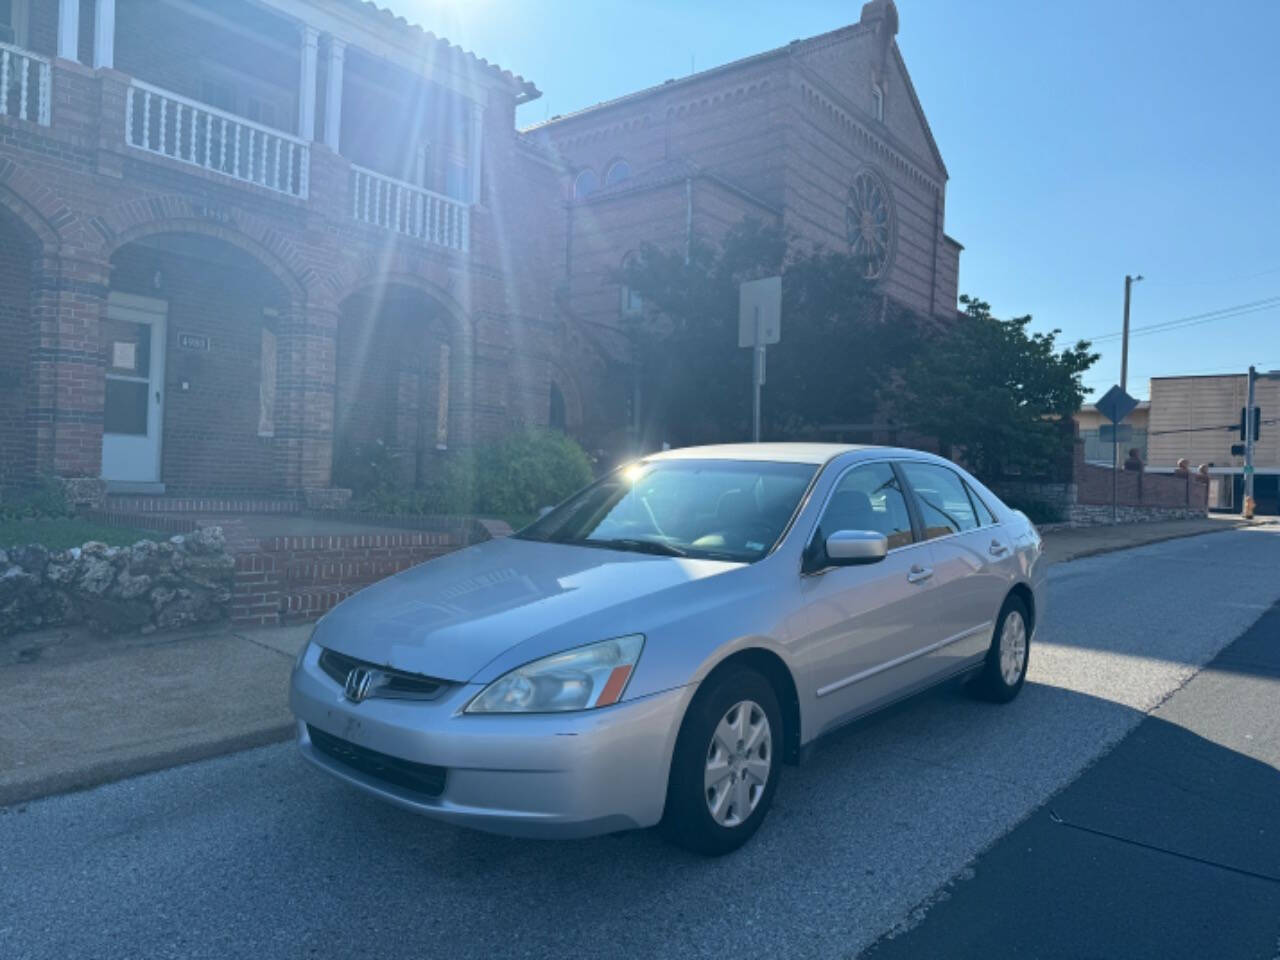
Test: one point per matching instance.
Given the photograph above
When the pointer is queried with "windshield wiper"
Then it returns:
(640, 546)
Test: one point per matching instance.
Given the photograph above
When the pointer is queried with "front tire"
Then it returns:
(726, 764)
(1005, 669)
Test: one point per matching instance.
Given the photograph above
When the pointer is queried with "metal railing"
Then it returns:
(410, 210)
(170, 125)
(24, 84)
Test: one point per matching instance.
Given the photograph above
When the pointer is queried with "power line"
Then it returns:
(1225, 313)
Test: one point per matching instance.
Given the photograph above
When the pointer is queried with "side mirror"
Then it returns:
(544, 511)
(847, 548)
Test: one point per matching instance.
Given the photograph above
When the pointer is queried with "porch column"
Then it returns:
(477, 149)
(307, 84)
(333, 94)
(69, 29)
(67, 387)
(306, 364)
(104, 33)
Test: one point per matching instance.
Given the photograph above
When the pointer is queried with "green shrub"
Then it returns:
(512, 477)
(46, 499)
(370, 468)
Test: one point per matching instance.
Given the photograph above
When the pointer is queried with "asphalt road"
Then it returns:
(1168, 846)
(256, 855)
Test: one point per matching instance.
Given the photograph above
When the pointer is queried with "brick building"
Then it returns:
(239, 236)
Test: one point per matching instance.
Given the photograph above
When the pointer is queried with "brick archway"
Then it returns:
(399, 385)
(223, 313)
(40, 232)
(133, 221)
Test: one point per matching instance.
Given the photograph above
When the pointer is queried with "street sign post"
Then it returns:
(1115, 405)
(759, 324)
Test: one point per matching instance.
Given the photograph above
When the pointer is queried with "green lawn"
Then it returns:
(64, 532)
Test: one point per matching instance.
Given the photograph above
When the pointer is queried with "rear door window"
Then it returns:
(985, 517)
(944, 503)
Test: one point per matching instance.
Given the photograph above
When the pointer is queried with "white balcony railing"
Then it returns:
(24, 85)
(172, 126)
(408, 209)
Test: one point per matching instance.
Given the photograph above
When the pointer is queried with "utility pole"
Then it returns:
(1249, 439)
(1124, 344)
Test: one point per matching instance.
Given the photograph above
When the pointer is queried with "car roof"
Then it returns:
(815, 453)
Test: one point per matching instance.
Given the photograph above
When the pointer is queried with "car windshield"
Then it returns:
(712, 509)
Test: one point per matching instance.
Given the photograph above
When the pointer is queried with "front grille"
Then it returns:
(419, 778)
(388, 683)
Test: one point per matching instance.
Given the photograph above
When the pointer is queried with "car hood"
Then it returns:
(451, 616)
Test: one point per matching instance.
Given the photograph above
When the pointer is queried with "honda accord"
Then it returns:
(656, 648)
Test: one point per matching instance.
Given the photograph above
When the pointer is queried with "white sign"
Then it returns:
(760, 308)
(124, 355)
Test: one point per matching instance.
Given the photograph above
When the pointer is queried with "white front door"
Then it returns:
(133, 341)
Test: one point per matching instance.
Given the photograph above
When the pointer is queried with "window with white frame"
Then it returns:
(877, 102)
(13, 22)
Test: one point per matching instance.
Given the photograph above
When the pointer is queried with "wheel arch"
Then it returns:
(775, 670)
(1024, 593)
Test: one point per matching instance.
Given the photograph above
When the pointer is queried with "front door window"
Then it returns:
(128, 348)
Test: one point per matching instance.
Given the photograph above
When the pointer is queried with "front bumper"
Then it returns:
(543, 775)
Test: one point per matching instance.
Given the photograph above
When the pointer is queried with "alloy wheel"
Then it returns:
(1013, 647)
(738, 762)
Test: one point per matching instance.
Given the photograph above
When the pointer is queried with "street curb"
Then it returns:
(1099, 551)
(110, 771)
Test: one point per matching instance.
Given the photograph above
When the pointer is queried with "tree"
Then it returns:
(995, 394)
(843, 343)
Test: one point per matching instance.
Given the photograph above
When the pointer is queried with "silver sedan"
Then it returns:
(654, 649)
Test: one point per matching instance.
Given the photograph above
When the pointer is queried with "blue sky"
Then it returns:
(1085, 140)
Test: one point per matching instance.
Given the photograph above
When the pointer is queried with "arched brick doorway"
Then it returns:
(396, 406)
(205, 380)
(18, 250)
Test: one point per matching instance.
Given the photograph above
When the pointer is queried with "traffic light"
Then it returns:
(1257, 423)
(1237, 449)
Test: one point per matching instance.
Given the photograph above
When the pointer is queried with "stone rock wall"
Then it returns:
(184, 580)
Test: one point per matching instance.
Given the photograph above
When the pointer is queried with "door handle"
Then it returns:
(998, 549)
(919, 574)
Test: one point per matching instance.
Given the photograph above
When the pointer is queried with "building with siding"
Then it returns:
(240, 238)
(1197, 418)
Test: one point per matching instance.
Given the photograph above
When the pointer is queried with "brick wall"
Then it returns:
(291, 579)
(15, 348)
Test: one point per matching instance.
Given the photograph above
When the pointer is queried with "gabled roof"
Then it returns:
(384, 19)
(788, 50)
(924, 121)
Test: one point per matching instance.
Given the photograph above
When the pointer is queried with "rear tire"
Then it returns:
(726, 764)
(1005, 669)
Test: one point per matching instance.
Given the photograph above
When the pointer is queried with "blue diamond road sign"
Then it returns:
(1115, 404)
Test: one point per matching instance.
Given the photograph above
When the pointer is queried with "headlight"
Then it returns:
(311, 637)
(591, 676)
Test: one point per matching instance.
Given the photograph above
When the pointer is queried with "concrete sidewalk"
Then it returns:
(1071, 544)
(77, 710)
